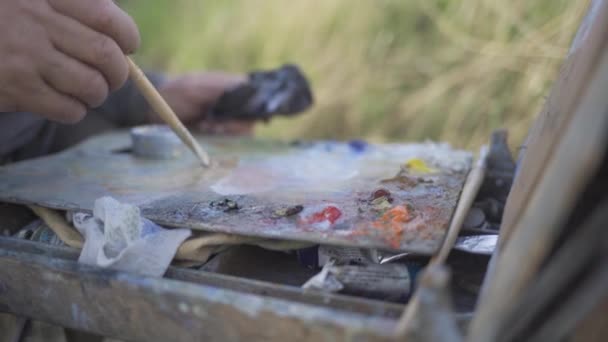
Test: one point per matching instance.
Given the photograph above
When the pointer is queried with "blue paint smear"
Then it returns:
(358, 146)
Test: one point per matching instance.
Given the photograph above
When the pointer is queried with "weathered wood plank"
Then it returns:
(564, 287)
(562, 323)
(131, 307)
(260, 288)
(593, 327)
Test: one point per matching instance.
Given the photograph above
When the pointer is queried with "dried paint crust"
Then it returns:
(398, 197)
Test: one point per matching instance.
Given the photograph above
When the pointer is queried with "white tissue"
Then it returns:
(117, 237)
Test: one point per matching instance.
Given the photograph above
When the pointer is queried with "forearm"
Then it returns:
(127, 107)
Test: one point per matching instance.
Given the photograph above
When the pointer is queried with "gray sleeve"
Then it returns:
(27, 135)
(127, 107)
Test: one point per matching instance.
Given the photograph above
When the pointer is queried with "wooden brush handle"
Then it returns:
(160, 106)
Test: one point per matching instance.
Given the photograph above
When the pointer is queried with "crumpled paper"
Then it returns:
(118, 237)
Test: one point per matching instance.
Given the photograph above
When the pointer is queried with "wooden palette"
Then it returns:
(352, 194)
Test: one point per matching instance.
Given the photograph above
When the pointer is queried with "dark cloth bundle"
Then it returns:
(283, 91)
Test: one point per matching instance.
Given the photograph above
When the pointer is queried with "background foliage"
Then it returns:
(383, 70)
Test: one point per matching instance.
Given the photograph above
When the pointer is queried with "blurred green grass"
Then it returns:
(383, 70)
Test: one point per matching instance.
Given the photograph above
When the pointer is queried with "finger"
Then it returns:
(72, 77)
(105, 17)
(90, 47)
(46, 101)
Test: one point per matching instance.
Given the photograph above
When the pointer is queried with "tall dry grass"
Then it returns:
(381, 69)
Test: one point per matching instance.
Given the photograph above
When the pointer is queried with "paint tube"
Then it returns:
(346, 255)
(38, 231)
(390, 282)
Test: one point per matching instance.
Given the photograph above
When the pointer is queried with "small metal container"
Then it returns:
(477, 244)
(156, 142)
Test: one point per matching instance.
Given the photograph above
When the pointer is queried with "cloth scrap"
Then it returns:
(194, 251)
(282, 91)
(118, 237)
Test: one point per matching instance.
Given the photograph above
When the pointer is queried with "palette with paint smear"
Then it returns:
(390, 196)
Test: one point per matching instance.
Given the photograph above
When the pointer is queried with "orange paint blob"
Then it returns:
(392, 223)
(398, 215)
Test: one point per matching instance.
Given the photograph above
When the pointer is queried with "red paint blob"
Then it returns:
(331, 214)
(382, 193)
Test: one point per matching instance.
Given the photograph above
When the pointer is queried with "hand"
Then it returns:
(191, 96)
(60, 57)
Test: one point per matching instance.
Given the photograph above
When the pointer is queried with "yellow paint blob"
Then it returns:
(417, 165)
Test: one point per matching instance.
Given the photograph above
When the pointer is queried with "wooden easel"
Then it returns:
(560, 160)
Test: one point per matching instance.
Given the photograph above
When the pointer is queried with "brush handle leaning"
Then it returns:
(160, 106)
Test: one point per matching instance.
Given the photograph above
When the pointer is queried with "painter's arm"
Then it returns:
(189, 95)
(127, 107)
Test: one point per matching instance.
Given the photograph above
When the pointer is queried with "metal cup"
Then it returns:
(156, 142)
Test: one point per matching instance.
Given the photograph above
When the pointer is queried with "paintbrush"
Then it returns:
(469, 192)
(160, 106)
